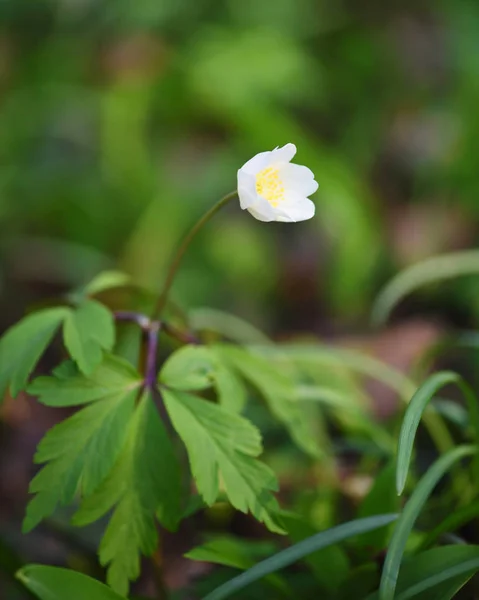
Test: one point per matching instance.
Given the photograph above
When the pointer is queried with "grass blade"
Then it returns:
(414, 413)
(294, 553)
(428, 271)
(409, 515)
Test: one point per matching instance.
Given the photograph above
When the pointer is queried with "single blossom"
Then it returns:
(271, 188)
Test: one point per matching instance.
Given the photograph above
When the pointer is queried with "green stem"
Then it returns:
(170, 276)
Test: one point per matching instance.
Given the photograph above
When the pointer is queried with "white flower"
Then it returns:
(273, 189)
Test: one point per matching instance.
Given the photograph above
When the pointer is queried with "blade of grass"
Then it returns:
(446, 266)
(415, 410)
(294, 553)
(409, 515)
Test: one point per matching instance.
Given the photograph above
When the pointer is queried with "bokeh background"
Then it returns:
(122, 122)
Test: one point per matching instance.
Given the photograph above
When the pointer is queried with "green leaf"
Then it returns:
(381, 497)
(436, 573)
(80, 453)
(279, 392)
(329, 565)
(53, 583)
(189, 368)
(88, 331)
(230, 552)
(23, 344)
(414, 413)
(145, 481)
(229, 326)
(69, 387)
(231, 391)
(222, 443)
(426, 272)
(194, 368)
(409, 515)
(106, 281)
(298, 551)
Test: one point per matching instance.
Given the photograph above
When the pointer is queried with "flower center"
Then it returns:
(269, 185)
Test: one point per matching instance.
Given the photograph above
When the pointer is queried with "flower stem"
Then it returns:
(170, 276)
(152, 345)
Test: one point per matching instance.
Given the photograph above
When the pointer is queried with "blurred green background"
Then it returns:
(122, 121)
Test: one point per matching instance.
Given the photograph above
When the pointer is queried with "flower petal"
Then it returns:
(246, 189)
(282, 155)
(298, 179)
(257, 163)
(297, 207)
(263, 211)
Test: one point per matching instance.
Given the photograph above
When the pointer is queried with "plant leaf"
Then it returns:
(330, 565)
(88, 331)
(226, 324)
(220, 442)
(409, 515)
(278, 391)
(189, 368)
(80, 453)
(425, 574)
(69, 387)
(145, 481)
(23, 344)
(199, 367)
(106, 280)
(298, 551)
(382, 495)
(53, 583)
(414, 413)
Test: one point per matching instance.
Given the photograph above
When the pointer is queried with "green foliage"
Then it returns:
(52, 583)
(437, 268)
(144, 482)
(23, 344)
(80, 452)
(294, 553)
(88, 331)
(438, 573)
(69, 387)
(221, 443)
(415, 410)
(415, 504)
(279, 392)
(106, 280)
(189, 368)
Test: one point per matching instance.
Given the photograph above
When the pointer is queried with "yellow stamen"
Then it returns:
(270, 186)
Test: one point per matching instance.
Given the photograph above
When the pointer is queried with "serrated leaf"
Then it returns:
(23, 344)
(189, 368)
(69, 387)
(222, 443)
(53, 583)
(80, 453)
(144, 482)
(87, 332)
(194, 368)
(279, 392)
